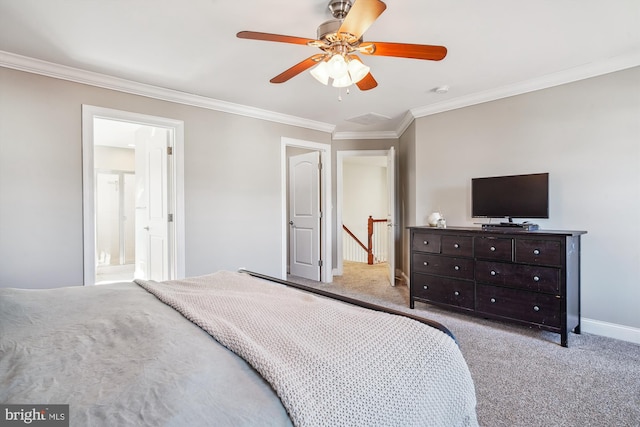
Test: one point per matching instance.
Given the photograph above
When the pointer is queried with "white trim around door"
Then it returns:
(176, 178)
(326, 273)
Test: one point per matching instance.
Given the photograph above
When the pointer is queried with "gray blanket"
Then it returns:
(332, 364)
(119, 357)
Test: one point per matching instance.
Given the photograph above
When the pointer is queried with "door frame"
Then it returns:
(340, 156)
(175, 178)
(326, 241)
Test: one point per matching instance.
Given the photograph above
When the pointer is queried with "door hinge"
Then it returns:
(319, 263)
(169, 151)
(170, 218)
(320, 216)
(320, 166)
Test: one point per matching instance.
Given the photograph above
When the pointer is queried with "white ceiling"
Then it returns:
(496, 48)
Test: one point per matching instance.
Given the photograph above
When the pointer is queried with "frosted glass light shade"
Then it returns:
(357, 70)
(343, 81)
(321, 72)
(337, 67)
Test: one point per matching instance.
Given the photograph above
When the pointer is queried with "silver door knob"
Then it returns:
(146, 228)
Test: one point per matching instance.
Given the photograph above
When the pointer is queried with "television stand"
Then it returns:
(514, 226)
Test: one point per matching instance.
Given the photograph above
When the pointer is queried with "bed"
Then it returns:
(227, 349)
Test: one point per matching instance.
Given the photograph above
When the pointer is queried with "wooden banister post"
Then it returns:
(369, 241)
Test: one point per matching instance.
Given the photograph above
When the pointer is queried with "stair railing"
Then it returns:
(375, 242)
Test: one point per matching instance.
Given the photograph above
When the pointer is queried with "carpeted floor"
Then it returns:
(523, 377)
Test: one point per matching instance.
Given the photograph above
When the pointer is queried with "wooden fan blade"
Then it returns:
(363, 13)
(404, 50)
(367, 83)
(297, 69)
(254, 35)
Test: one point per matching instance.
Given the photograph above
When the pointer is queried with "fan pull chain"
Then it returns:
(340, 94)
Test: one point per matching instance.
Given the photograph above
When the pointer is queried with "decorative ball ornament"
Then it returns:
(433, 219)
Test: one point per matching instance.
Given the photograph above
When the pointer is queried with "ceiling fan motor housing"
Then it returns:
(327, 30)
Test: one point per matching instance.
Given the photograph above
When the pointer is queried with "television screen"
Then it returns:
(514, 196)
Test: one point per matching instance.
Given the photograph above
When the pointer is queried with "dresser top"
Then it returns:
(506, 230)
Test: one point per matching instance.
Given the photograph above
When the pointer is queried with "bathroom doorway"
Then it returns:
(133, 200)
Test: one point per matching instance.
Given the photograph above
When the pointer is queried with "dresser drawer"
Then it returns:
(542, 309)
(530, 277)
(443, 290)
(457, 245)
(460, 268)
(426, 242)
(547, 252)
(498, 248)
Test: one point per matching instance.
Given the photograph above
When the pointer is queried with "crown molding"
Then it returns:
(405, 123)
(36, 66)
(586, 71)
(49, 69)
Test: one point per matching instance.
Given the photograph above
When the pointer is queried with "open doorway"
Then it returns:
(366, 214)
(132, 197)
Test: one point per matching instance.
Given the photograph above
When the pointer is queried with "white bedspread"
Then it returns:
(331, 364)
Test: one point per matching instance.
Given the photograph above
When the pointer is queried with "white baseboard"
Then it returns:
(405, 278)
(611, 330)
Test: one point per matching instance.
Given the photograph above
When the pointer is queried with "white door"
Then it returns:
(391, 215)
(152, 222)
(304, 215)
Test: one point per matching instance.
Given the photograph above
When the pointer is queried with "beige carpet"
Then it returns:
(523, 377)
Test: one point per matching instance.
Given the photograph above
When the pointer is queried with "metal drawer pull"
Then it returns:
(456, 293)
(493, 273)
(456, 268)
(425, 287)
(455, 245)
(536, 308)
(492, 248)
(536, 279)
(425, 263)
(426, 242)
(536, 252)
(493, 300)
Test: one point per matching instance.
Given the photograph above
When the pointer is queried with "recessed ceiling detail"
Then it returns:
(369, 119)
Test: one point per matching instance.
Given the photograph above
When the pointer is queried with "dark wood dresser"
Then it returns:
(527, 277)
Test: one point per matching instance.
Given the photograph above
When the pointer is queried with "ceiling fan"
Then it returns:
(340, 39)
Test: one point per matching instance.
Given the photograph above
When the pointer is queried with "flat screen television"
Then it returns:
(513, 196)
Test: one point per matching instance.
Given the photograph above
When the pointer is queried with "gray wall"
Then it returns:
(587, 136)
(232, 181)
(407, 192)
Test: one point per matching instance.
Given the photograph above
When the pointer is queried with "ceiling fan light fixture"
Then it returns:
(321, 72)
(337, 66)
(357, 70)
(344, 81)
